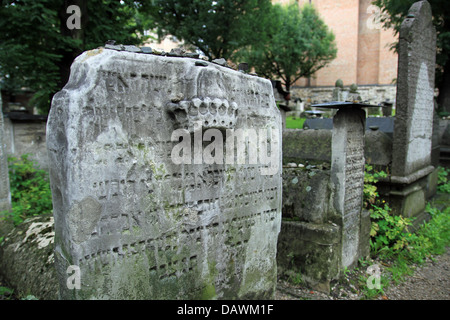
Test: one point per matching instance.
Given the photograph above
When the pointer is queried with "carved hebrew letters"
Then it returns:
(140, 225)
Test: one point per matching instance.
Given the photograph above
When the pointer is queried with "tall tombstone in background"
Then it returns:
(415, 92)
(151, 197)
(5, 194)
(412, 141)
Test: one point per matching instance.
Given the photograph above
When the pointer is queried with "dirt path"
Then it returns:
(430, 281)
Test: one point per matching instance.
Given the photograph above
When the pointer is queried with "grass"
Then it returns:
(395, 250)
(294, 123)
(431, 239)
(30, 190)
(6, 293)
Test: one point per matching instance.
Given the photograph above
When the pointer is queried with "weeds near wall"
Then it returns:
(371, 177)
(443, 180)
(390, 233)
(391, 239)
(30, 190)
(387, 230)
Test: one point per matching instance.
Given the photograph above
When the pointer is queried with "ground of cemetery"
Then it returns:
(429, 281)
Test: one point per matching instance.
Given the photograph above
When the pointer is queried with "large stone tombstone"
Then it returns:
(5, 194)
(415, 93)
(166, 179)
(411, 179)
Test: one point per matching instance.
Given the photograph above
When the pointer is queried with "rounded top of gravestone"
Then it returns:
(353, 88)
(420, 14)
(221, 62)
(339, 84)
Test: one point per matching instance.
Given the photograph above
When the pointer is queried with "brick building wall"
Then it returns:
(363, 55)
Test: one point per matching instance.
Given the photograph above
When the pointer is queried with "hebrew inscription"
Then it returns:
(415, 92)
(347, 174)
(141, 225)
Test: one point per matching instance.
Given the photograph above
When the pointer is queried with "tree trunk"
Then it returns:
(287, 97)
(70, 54)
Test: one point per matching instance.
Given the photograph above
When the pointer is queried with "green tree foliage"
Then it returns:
(395, 11)
(37, 48)
(297, 44)
(30, 190)
(216, 27)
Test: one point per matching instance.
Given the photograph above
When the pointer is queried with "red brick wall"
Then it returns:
(363, 50)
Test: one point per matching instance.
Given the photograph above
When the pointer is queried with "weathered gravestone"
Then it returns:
(347, 178)
(347, 175)
(329, 230)
(339, 94)
(413, 130)
(415, 92)
(156, 195)
(5, 194)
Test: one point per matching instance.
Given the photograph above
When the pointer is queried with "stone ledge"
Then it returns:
(409, 178)
(310, 250)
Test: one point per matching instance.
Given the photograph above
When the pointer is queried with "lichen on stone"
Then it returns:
(39, 232)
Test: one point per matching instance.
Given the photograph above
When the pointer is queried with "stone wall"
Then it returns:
(314, 146)
(26, 134)
(374, 94)
(324, 228)
(309, 242)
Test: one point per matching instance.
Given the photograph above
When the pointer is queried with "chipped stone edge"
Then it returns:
(134, 49)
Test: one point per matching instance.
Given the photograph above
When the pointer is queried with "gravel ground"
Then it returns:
(430, 281)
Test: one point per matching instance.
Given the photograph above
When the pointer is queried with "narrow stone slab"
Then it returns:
(5, 194)
(347, 176)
